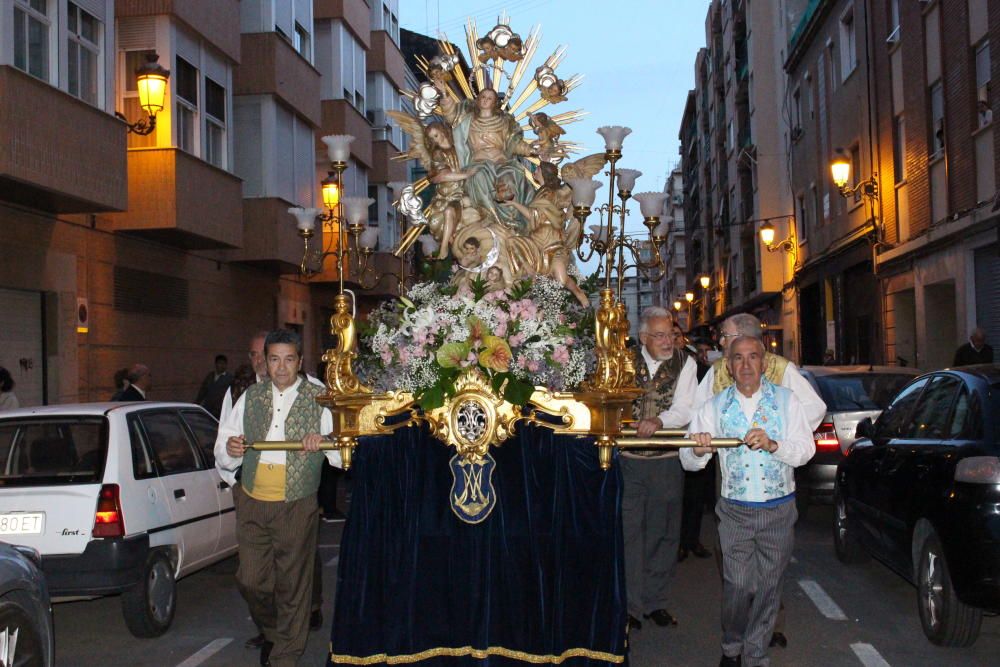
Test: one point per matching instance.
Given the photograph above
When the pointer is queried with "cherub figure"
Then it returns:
(550, 87)
(471, 254)
(500, 43)
(548, 133)
(494, 279)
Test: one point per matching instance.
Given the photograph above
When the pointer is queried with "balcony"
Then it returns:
(217, 21)
(178, 199)
(384, 168)
(340, 117)
(354, 13)
(270, 66)
(57, 153)
(385, 56)
(269, 237)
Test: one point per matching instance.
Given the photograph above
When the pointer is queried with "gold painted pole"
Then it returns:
(630, 442)
(289, 445)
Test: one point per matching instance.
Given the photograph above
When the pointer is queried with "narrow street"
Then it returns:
(836, 615)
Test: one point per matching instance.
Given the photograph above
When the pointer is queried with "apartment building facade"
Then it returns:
(168, 248)
(902, 89)
(734, 181)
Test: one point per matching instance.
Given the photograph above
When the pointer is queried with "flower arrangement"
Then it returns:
(531, 333)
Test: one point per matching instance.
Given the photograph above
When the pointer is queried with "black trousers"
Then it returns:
(699, 491)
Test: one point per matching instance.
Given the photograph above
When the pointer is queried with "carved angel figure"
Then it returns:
(432, 145)
(548, 133)
(550, 86)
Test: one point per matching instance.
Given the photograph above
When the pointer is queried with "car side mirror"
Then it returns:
(865, 428)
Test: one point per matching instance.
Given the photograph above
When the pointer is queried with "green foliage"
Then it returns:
(479, 288)
(520, 289)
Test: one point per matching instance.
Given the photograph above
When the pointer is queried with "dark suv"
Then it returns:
(921, 490)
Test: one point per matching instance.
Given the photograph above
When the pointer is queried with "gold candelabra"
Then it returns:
(351, 242)
(618, 252)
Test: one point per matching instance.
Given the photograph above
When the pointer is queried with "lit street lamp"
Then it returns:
(151, 84)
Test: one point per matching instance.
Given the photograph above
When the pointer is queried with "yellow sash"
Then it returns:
(269, 482)
(774, 371)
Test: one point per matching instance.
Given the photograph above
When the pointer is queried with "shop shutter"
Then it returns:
(988, 293)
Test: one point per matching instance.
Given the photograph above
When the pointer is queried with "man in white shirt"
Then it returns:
(276, 508)
(777, 369)
(756, 509)
(653, 481)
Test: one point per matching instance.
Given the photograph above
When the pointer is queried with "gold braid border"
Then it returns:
(476, 653)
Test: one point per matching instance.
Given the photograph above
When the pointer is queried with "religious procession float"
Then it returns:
(480, 413)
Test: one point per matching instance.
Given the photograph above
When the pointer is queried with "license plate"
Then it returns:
(22, 523)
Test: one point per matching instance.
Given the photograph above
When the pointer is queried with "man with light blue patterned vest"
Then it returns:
(276, 511)
(756, 509)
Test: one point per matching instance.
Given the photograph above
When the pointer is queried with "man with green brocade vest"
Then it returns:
(653, 481)
(275, 499)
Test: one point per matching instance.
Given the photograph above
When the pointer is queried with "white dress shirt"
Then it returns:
(679, 413)
(232, 425)
(795, 449)
(813, 405)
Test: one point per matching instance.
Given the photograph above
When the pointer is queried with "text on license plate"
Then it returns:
(22, 523)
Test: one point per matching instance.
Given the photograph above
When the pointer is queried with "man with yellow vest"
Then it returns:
(777, 370)
(277, 514)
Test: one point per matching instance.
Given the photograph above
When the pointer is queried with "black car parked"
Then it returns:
(920, 490)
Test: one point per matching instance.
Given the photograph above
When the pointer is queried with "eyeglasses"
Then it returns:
(732, 335)
(660, 335)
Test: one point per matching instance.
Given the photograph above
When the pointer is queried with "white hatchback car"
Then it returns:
(118, 498)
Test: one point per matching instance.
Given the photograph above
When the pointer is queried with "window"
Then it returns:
(893, 37)
(796, 114)
(896, 416)
(848, 45)
(983, 111)
(814, 205)
(83, 53)
(966, 419)
(931, 416)
(810, 103)
(205, 429)
(801, 223)
(53, 451)
(856, 170)
(215, 124)
(186, 90)
(937, 121)
(130, 102)
(31, 37)
(142, 465)
(301, 40)
(899, 148)
(169, 442)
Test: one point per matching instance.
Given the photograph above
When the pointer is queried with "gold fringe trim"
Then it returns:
(476, 653)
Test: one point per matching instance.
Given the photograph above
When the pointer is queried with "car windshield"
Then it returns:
(65, 450)
(844, 392)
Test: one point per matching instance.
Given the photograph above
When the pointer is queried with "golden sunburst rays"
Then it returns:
(552, 61)
(472, 36)
(530, 47)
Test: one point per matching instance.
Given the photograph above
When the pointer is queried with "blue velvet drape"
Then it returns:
(540, 580)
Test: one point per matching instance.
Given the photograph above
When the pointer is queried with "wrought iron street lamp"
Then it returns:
(788, 244)
(151, 84)
(840, 170)
(704, 280)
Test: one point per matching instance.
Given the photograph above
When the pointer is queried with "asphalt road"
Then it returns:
(836, 615)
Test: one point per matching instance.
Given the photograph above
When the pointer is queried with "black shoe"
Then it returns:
(316, 620)
(779, 639)
(265, 653)
(336, 516)
(661, 617)
(682, 553)
(700, 551)
(255, 641)
(634, 623)
(731, 662)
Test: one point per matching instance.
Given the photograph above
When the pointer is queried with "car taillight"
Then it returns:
(978, 470)
(826, 437)
(109, 521)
